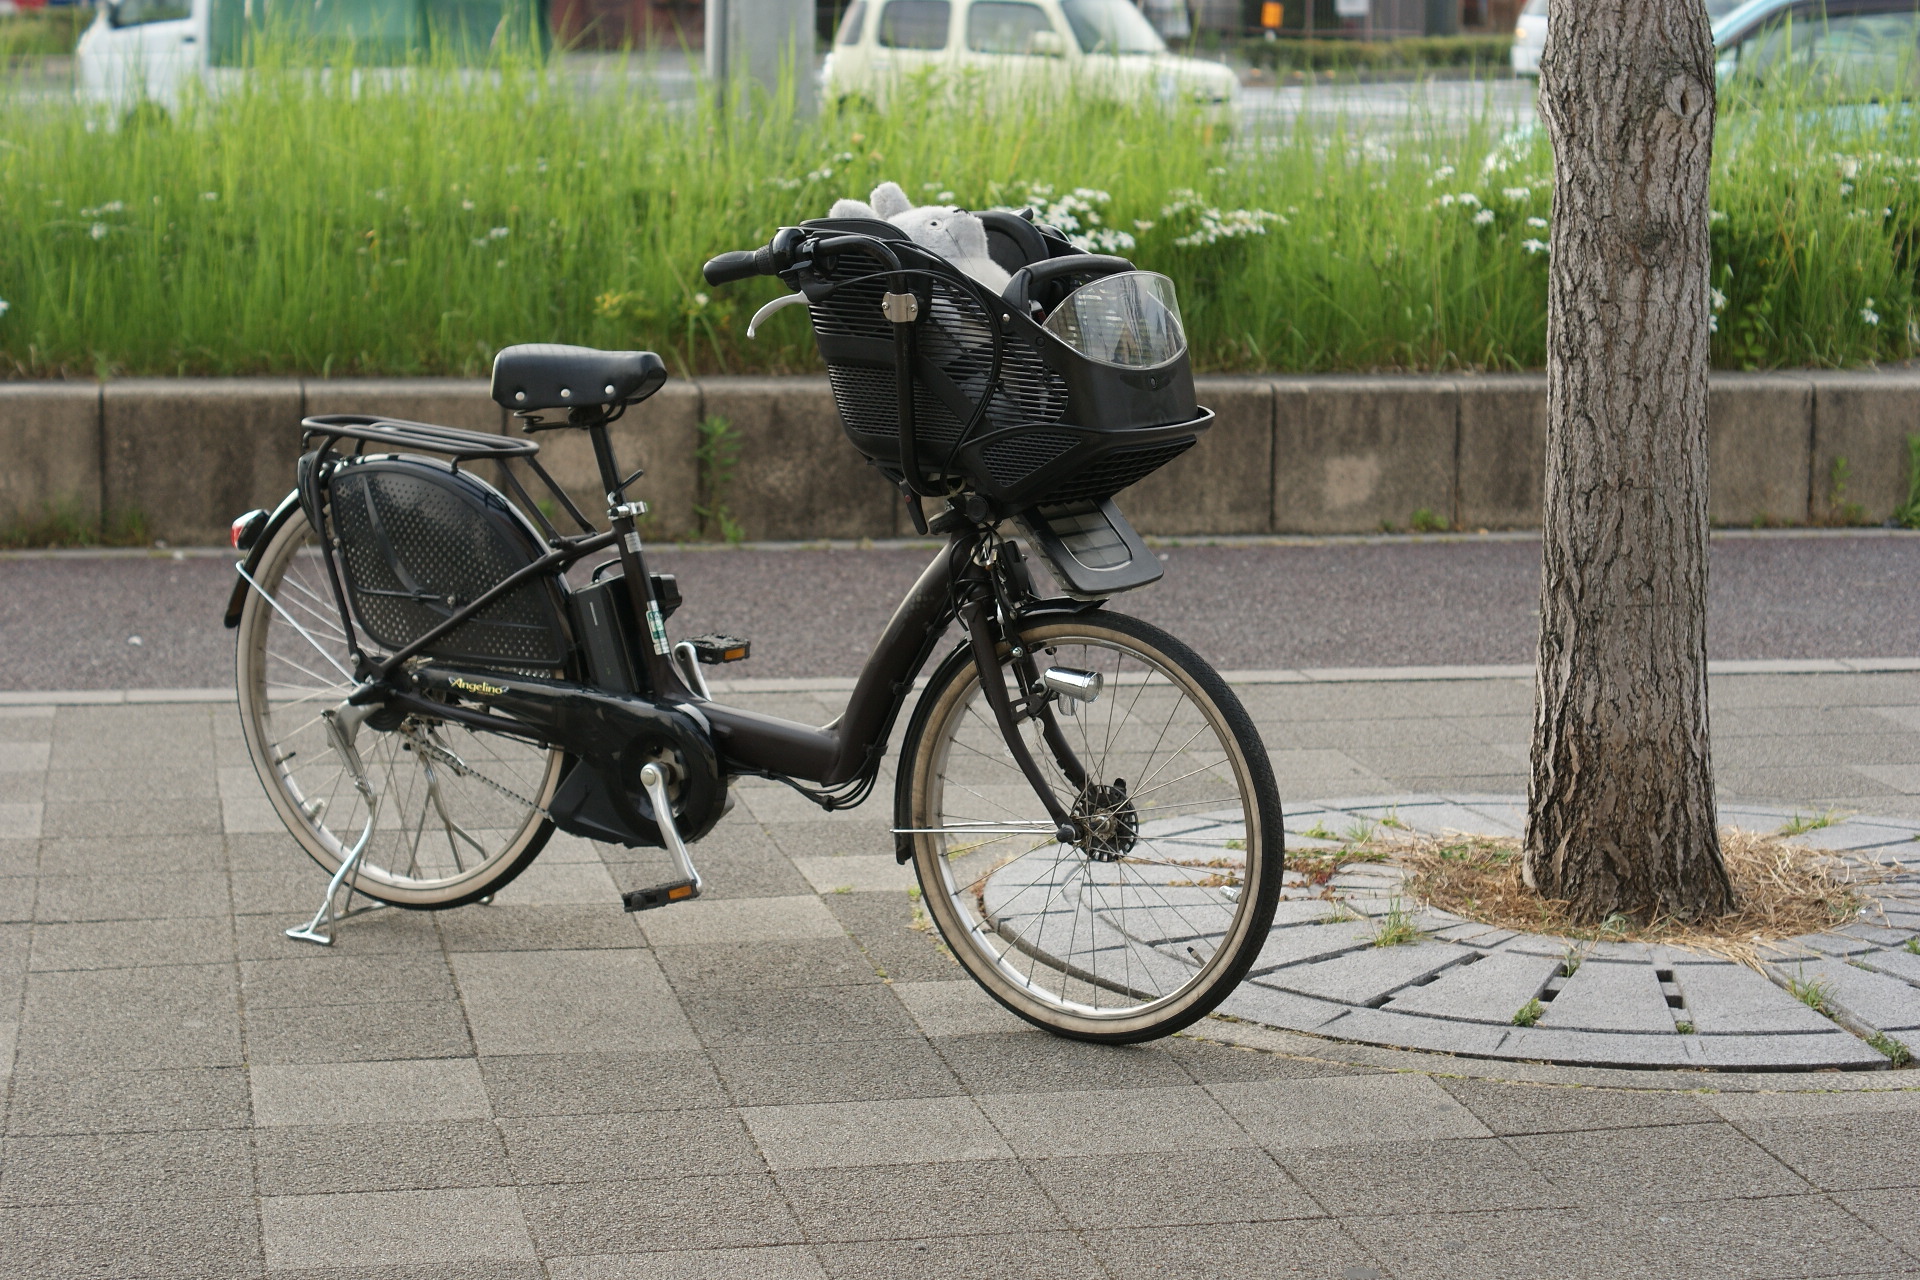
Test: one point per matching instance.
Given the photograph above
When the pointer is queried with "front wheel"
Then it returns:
(1158, 908)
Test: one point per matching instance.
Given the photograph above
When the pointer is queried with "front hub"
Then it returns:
(1109, 824)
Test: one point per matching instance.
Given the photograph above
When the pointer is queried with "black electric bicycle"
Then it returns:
(1089, 809)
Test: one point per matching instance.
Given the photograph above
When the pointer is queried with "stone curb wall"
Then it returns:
(1315, 455)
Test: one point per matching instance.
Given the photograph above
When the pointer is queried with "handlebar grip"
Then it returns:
(741, 264)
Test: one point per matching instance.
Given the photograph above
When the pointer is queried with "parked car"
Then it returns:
(1530, 32)
(1021, 46)
(1852, 49)
(147, 50)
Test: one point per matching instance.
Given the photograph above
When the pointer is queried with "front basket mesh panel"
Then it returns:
(953, 336)
(1110, 473)
(416, 550)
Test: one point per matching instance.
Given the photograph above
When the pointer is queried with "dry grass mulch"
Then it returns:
(1782, 890)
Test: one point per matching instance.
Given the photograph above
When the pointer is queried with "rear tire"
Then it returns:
(458, 814)
(1155, 915)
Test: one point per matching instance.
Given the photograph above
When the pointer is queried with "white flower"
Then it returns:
(209, 195)
(944, 197)
(1218, 170)
(500, 233)
(1869, 317)
(1537, 222)
(1517, 193)
(467, 205)
(1719, 299)
(1534, 246)
(113, 206)
(5, 306)
(1483, 217)
(1714, 215)
(701, 299)
(1142, 224)
(98, 231)
(1846, 188)
(821, 174)
(1469, 199)
(1441, 174)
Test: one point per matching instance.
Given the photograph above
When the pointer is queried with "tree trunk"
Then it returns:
(1620, 809)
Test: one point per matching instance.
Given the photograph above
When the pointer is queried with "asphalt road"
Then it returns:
(145, 621)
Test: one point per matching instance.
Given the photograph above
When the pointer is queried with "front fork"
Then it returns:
(989, 618)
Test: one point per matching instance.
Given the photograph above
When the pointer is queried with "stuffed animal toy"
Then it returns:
(953, 233)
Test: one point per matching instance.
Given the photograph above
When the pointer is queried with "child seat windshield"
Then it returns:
(1111, 26)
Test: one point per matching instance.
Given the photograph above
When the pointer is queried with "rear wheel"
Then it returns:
(453, 816)
(1157, 910)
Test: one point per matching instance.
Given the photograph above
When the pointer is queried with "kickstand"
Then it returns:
(341, 736)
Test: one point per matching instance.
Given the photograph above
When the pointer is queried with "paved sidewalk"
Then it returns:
(784, 1079)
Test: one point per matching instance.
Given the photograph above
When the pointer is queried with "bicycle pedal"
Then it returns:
(714, 648)
(661, 895)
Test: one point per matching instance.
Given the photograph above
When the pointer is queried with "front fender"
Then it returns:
(289, 507)
(962, 655)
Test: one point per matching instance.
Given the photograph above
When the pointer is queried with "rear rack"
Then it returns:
(398, 433)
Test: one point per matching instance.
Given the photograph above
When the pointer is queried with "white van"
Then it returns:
(1107, 46)
(147, 50)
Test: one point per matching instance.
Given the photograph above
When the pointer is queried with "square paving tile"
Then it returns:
(382, 1228)
(1520, 1108)
(501, 927)
(808, 1015)
(649, 1214)
(126, 944)
(1642, 1164)
(1016, 1062)
(1162, 1189)
(844, 1071)
(1849, 1152)
(357, 1033)
(1312, 1248)
(600, 1083)
(900, 1131)
(1113, 1121)
(208, 1164)
(707, 921)
(641, 1144)
(761, 966)
(775, 1262)
(369, 1092)
(1045, 1255)
(956, 1008)
(85, 1101)
(135, 1240)
(1430, 1176)
(298, 1160)
(1340, 1110)
(904, 1201)
(182, 1016)
(570, 1002)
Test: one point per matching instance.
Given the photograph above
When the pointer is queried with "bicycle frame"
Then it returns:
(971, 579)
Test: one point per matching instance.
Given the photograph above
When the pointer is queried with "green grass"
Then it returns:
(1529, 1013)
(64, 524)
(1799, 824)
(1896, 1053)
(1396, 928)
(415, 226)
(1813, 993)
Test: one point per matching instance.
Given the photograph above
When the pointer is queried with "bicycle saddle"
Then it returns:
(548, 376)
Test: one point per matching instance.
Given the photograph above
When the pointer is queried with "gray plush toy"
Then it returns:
(953, 233)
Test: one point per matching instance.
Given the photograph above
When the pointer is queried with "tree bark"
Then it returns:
(1621, 813)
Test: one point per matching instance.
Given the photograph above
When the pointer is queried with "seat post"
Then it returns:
(662, 679)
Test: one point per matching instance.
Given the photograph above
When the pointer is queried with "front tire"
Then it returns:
(1155, 915)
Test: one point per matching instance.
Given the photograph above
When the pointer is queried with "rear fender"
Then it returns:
(289, 507)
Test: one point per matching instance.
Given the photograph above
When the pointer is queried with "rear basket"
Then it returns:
(1057, 428)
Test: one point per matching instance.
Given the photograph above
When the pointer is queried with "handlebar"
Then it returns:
(741, 264)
